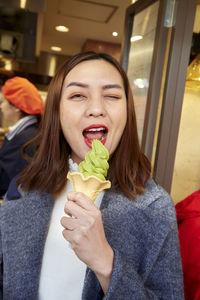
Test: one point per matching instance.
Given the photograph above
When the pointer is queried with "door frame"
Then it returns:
(174, 82)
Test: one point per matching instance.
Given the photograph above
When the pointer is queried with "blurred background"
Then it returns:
(158, 44)
(37, 36)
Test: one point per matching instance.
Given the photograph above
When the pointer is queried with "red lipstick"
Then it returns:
(95, 131)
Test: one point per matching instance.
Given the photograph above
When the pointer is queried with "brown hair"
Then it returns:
(129, 167)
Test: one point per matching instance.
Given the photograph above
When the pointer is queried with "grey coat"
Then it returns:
(142, 233)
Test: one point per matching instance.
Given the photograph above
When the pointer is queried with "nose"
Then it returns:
(96, 107)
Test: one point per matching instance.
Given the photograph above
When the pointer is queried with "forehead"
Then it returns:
(95, 69)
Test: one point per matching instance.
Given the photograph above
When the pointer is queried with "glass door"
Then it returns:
(186, 175)
(140, 58)
(147, 26)
(156, 51)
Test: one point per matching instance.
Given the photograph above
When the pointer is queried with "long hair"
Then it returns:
(129, 167)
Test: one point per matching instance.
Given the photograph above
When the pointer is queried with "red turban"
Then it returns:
(23, 94)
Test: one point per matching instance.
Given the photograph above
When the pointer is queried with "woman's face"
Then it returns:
(92, 106)
(8, 110)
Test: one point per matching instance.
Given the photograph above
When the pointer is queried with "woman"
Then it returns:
(22, 105)
(129, 246)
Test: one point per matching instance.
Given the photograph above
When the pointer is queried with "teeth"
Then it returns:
(96, 129)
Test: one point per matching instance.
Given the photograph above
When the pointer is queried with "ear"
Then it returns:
(17, 109)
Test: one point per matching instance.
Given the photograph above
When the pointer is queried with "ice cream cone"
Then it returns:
(90, 186)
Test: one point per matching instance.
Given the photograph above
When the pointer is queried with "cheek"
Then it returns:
(65, 123)
(121, 122)
(4, 107)
(7, 110)
(68, 120)
(121, 118)
(64, 119)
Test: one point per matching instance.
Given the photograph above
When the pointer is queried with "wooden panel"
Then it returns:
(100, 46)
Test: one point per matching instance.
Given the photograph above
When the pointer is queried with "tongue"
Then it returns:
(92, 135)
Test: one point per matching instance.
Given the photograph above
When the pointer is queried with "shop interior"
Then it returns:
(32, 45)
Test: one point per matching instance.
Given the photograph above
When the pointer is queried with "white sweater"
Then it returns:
(62, 273)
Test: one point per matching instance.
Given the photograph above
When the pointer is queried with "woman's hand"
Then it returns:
(86, 234)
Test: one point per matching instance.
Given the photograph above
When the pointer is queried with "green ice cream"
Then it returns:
(95, 163)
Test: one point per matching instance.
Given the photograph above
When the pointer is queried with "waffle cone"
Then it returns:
(90, 186)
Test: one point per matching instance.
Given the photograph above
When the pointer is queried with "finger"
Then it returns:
(73, 209)
(81, 199)
(67, 235)
(71, 237)
(68, 215)
(69, 223)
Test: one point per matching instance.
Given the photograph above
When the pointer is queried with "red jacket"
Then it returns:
(188, 216)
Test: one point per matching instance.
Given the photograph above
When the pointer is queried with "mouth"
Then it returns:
(95, 131)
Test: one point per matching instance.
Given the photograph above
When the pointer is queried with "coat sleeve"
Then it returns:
(11, 160)
(164, 280)
(144, 236)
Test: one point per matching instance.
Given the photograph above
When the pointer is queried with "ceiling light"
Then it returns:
(54, 48)
(22, 3)
(62, 28)
(115, 33)
(8, 65)
(52, 65)
(136, 38)
(141, 83)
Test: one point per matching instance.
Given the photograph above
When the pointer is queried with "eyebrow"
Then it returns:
(80, 84)
(84, 85)
(111, 86)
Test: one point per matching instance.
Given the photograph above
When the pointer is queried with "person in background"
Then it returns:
(22, 105)
(188, 217)
(125, 245)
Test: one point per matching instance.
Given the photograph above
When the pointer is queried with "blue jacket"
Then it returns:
(142, 233)
(11, 159)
